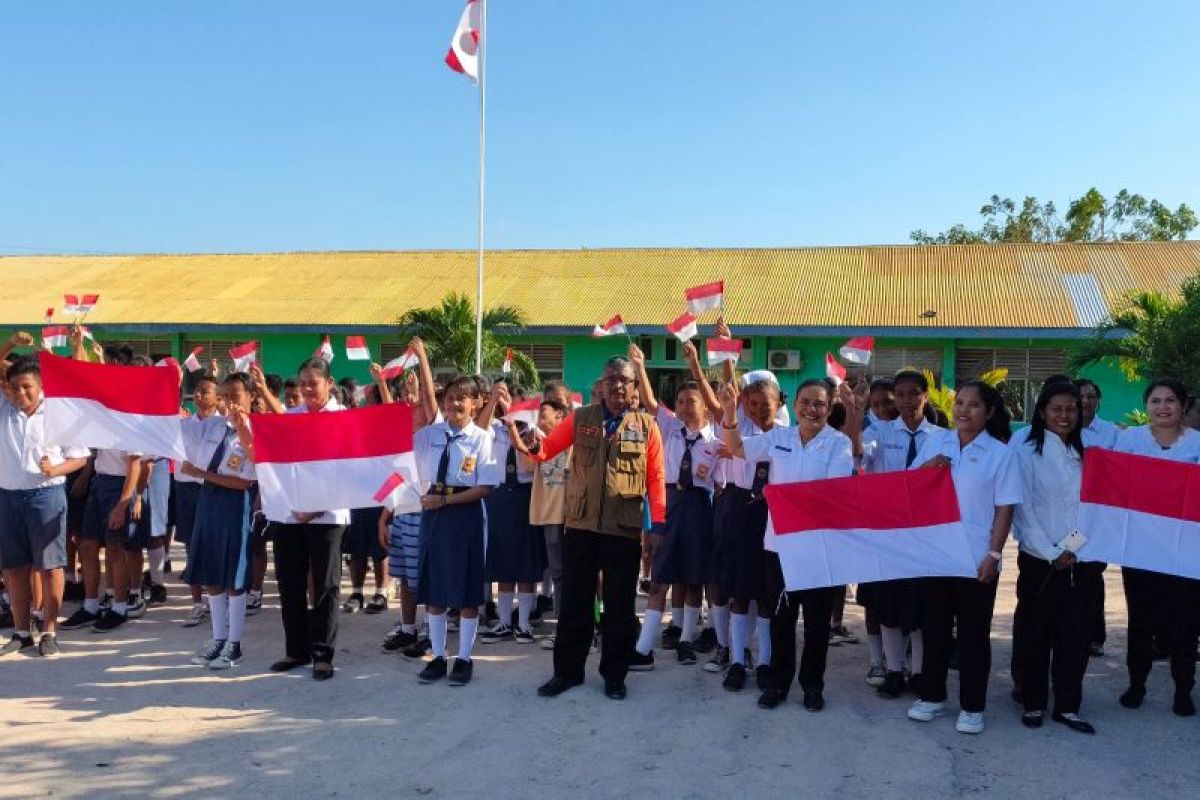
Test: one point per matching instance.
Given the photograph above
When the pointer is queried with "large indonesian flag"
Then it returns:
(112, 406)
(315, 461)
(868, 528)
(1140, 512)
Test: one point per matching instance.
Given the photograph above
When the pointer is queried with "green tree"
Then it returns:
(448, 330)
(1091, 218)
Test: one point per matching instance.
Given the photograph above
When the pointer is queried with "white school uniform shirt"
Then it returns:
(1140, 442)
(472, 457)
(23, 445)
(501, 444)
(736, 470)
(885, 444)
(190, 427)
(827, 455)
(1051, 483)
(337, 516)
(235, 463)
(985, 475)
(704, 451)
(1101, 433)
(113, 462)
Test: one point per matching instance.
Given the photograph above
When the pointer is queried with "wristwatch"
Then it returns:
(995, 554)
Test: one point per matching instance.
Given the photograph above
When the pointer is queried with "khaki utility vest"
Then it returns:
(607, 483)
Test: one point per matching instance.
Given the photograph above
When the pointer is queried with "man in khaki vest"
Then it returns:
(616, 463)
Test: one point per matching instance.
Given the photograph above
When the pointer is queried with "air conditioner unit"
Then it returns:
(784, 359)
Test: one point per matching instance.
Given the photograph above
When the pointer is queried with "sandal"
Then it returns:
(322, 671)
(1033, 719)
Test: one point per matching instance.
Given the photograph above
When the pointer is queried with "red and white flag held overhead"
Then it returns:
(49, 315)
(526, 411)
(612, 327)
(399, 495)
(325, 351)
(356, 349)
(244, 355)
(54, 336)
(833, 370)
(706, 297)
(684, 327)
(858, 350)
(70, 304)
(506, 367)
(87, 303)
(463, 56)
(192, 363)
(167, 361)
(719, 350)
(395, 368)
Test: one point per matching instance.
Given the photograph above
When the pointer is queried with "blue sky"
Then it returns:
(301, 125)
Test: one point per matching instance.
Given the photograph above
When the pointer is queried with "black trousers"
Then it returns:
(968, 603)
(1059, 610)
(817, 605)
(1099, 629)
(1154, 599)
(309, 633)
(586, 554)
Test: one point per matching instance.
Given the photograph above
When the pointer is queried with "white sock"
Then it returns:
(917, 642)
(875, 648)
(157, 557)
(677, 616)
(525, 601)
(504, 603)
(741, 634)
(893, 648)
(650, 624)
(91, 605)
(237, 616)
(718, 617)
(218, 604)
(437, 634)
(466, 636)
(762, 627)
(691, 621)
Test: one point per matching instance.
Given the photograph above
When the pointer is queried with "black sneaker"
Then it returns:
(719, 661)
(434, 671)
(535, 616)
(16, 644)
(82, 618)
(685, 653)
(109, 621)
(353, 603)
(671, 636)
(48, 646)
(706, 641)
(762, 677)
(641, 663)
(490, 615)
(771, 698)
(735, 678)
(135, 606)
(523, 636)
(229, 657)
(211, 649)
(1183, 705)
(813, 700)
(460, 673)
(158, 595)
(6, 617)
(544, 603)
(398, 639)
(106, 602)
(253, 603)
(377, 605)
(893, 685)
(418, 649)
(497, 633)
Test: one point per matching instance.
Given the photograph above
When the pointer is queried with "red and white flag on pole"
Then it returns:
(192, 362)
(87, 303)
(706, 297)
(356, 349)
(70, 304)
(333, 460)
(719, 350)
(244, 355)
(112, 406)
(463, 56)
(399, 494)
(506, 367)
(55, 336)
(1140, 512)
(684, 327)
(612, 327)
(858, 350)
(396, 367)
(325, 351)
(49, 315)
(526, 411)
(868, 528)
(576, 400)
(833, 370)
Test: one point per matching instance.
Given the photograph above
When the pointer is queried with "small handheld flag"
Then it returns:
(49, 315)
(54, 336)
(833, 370)
(396, 366)
(192, 363)
(611, 328)
(396, 491)
(325, 351)
(858, 350)
(706, 297)
(719, 350)
(356, 349)
(506, 367)
(168, 361)
(684, 327)
(244, 355)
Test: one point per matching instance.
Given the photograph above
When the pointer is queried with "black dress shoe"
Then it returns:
(614, 690)
(813, 700)
(556, 686)
(1073, 722)
(287, 664)
(1183, 705)
(771, 697)
(322, 671)
(1034, 719)
(1133, 696)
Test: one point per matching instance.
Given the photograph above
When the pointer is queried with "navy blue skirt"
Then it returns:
(451, 556)
(362, 536)
(894, 604)
(686, 553)
(219, 554)
(516, 550)
(738, 529)
(187, 494)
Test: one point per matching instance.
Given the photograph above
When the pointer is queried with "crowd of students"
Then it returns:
(492, 515)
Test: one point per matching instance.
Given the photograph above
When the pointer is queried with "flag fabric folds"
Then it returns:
(706, 297)
(192, 362)
(356, 349)
(614, 326)
(399, 494)
(684, 327)
(833, 370)
(718, 350)
(395, 368)
(244, 355)
(858, 350)
(463, 55)
(325, 351)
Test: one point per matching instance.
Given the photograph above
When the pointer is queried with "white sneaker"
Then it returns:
(876, 675)
(196, 616)
(924, 711)
(212, 648)
(547, 643)
(229, 657)
(969, 722)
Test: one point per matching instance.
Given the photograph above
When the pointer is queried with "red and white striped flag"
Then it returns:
(356, 349)
(684, 327)
(1140, 512)
(833, 370)
(87, 303)
(334, 460)
(868, 528)
(399, 494)
(524, 411)
(49, 315)
(576, 399)
(112, 406)
(463, 56)
(506, 367)
(395, 368)
(703, 298)
(244, 355)
(70, 304)
(167, 361)
(612, 327)
(325, 351)
(858, 350)
(55, 336)
(719, 350)
(192, 362)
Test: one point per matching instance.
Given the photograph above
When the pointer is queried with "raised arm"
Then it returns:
(428, 395)
(646, 391)
(729, 424)
(711, 402)
(264, 391)
(498, 395)
(562, 437)
(385, 391)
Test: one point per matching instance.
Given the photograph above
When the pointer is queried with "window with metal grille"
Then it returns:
(217, 349)
(1027, 368)
(887, 361)
(548, 358)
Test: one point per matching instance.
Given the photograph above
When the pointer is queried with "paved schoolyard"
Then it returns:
(125, 715)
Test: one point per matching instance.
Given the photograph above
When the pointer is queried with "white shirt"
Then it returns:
(337, 516)
(113, 462)
(985, 476)
(1051, 483)
(885, 444)
(1140, 441)
(208, 435)
(501, 445)
(704, 448)
(826, 455)
(736, 470)
(190, 427)
(23, 445)
(472, 457)
(1101, 433)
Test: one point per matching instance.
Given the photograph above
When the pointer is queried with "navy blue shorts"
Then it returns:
(33, 528)
(362, 536)
(103, 494)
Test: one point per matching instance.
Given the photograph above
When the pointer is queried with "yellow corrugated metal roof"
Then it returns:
(985, 286)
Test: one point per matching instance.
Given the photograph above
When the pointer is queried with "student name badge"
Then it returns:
(702, 471)
(234, 462)
(468, 465)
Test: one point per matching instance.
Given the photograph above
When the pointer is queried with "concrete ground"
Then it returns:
(125, 715)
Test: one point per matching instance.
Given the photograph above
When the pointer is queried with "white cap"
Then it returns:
(758, 376)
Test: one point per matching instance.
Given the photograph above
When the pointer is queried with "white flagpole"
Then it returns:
(483, 47)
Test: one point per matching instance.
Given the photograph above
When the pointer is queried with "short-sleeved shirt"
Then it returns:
(501, 445)
(704, 448)
(885, 444)
(337, 516)
(190, 427)
(985, 475)
(113, 462)
(23, 445)
(1101, 433)
(1141, 442)
(235, 463)
(827, 455)
(736, 470)
(472, 458)
(548, 501)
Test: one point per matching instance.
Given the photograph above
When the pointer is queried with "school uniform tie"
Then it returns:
(912, 448)
(215, 462)
(510, 468)
(444, 461)
(761, 470)
(685, 463)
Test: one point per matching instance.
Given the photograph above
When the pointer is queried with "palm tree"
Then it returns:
(448, 331)
(1128, 335)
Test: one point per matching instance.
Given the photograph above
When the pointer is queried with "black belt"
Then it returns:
(446, 491)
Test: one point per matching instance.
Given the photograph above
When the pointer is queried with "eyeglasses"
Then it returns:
(620, 380)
